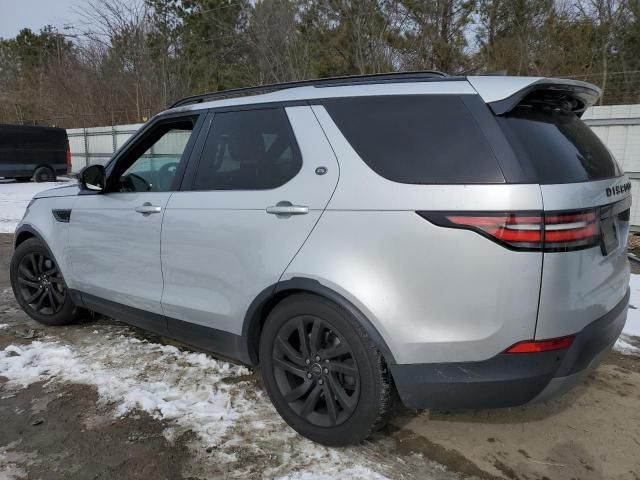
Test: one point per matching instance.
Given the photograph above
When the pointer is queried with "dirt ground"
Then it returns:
(59, 429)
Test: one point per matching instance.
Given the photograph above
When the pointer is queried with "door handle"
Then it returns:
(147, 209)
(285, 209)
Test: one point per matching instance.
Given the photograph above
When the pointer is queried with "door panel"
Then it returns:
(220, 248)
(115, 251)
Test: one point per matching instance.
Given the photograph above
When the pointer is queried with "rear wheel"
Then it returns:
(39, 287)
(44, 174)
(323, 373)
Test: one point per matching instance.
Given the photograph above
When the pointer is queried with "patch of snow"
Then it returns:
(136, 374)
(11, 464)
(3, 326)
(14, 198)
(624, 346)
(632, 327)
(194, 392)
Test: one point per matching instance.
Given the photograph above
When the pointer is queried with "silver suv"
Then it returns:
(457, 241)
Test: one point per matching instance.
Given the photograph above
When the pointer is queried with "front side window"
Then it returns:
(152, 164)
(248, 150)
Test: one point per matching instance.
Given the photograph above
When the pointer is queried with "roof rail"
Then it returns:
(394, 77)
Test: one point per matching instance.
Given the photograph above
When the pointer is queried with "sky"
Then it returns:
(35, 14)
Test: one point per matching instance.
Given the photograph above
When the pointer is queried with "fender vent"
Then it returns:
(62, 215)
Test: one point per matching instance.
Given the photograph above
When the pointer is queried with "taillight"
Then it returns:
(556, 231)
(568, 231)
(68, 156)
(536, 346)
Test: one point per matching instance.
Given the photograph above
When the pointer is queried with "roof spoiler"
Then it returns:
(503, 97)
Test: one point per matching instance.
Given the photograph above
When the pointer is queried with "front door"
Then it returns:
(262, 182)
(114, 237)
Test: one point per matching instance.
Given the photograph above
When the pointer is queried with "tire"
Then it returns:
(23, 179)
(350, 369)
(33, 270)
(44, 174)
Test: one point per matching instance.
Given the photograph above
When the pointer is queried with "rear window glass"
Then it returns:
(427, 139)
(559, 147)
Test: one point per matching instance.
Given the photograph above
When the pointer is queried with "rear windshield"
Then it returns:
(421, 139)
(559, 147)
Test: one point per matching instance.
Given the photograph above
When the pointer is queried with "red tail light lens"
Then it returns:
(564, 231)
(522, 231)
(536, 346)
(68, 156)
(528, 231)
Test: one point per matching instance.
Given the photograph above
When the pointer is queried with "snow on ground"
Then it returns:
(14, 198)
(3, 326)
(217, 400)
(625, 343)
(632, 327)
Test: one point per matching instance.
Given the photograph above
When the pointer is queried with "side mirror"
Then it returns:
(93, 178)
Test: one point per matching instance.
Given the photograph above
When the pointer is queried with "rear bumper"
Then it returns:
(508, 380)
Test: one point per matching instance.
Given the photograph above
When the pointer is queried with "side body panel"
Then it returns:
(434, 294)
(220, 249)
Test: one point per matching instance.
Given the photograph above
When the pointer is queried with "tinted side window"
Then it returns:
(421, 139)
(248, 150)
(559, 146)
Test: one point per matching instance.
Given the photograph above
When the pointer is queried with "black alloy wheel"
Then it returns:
(40, 284)
(316, 371)
(325, 376)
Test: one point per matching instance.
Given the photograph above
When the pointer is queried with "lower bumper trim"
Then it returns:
(508, 380)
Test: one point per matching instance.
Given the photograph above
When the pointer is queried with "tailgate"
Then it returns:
(586, 200)
(580, 286)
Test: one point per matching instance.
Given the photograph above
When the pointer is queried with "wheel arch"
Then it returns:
(22, 235)
(25, 232)
(264, 303)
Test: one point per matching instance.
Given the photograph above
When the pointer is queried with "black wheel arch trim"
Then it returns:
(271, 295)
(33, 233)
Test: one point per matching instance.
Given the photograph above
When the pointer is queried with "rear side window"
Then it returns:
(425, 139)
(248, 150)
(559, 147)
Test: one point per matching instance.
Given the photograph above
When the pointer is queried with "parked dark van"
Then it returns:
(35, 152)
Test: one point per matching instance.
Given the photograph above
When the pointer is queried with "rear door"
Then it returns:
(246, 207)
(586, 202)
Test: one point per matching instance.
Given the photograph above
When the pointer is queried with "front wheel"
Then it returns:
(323, 373)
(39, 287)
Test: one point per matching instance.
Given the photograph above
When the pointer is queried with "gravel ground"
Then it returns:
(103, 400)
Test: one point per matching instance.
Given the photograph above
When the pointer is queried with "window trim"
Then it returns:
(135, 140)
(189, 179)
